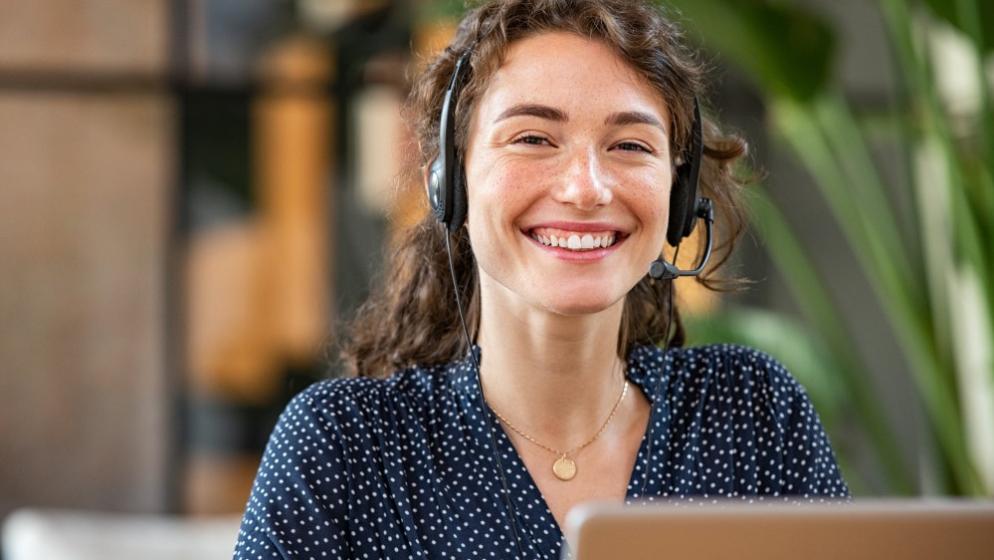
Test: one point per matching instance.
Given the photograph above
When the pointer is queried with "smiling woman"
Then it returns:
(560, 145)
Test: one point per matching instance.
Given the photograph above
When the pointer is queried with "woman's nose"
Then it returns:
(585, 183)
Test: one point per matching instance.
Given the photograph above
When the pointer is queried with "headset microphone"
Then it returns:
(663, 270)
(686, 207)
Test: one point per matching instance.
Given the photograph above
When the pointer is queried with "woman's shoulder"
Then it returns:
(728, 364)
(344, 398)
(720, 372)
(727, 399)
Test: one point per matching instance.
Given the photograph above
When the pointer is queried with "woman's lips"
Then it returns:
(585, 255)
(575, 240)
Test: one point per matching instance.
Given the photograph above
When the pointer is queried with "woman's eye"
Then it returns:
(531, 139)
(633, 147)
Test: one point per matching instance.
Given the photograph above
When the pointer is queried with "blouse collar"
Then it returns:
(647, 366)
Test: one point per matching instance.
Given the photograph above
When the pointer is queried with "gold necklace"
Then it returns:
(565, 466)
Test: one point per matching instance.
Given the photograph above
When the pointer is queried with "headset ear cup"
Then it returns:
(459, 200)
(683, 197)
(681, 209)
(435, 186)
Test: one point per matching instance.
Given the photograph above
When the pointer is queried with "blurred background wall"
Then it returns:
(88, 172)
(194, 193)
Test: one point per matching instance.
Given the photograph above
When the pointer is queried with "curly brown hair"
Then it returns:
(411, 318)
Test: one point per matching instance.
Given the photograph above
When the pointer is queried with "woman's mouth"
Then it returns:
(574, 245)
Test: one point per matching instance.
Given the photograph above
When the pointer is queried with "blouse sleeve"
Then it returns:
(808, 467)
(300, 497)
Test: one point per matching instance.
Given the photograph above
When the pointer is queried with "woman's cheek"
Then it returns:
(510, 190)
(651, 196)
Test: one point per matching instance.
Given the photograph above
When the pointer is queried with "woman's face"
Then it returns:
(569, 146)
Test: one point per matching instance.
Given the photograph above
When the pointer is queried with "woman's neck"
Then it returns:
(554, 377)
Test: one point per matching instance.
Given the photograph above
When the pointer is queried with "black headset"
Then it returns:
(446, 182)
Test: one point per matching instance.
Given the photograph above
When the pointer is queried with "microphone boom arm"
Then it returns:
(662, 270)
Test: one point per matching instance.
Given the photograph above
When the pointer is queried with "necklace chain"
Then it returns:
(575, 450)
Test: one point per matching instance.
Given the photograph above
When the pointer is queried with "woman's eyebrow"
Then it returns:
(553, 114)
(534, 110)
(633, 117)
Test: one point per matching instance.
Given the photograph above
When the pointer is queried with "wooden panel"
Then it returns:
(290, 151)
(231, 348)
(84, 35)
(83, 222)
(259, 290)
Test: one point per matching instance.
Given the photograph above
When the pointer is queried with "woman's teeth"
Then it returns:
(575, 241)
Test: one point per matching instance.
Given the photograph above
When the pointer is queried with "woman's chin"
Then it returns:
(586, 304)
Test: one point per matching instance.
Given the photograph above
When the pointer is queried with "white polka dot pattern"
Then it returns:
(402, 467)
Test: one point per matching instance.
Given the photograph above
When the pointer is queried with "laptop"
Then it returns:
(859, 530)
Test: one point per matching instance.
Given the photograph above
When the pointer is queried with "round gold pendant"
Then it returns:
(564, 468)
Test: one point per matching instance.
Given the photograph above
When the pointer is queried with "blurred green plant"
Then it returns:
(935, 285)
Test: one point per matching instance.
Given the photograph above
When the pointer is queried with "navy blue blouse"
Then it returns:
(403, 467)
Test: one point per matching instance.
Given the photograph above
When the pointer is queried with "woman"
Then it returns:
(574, 127)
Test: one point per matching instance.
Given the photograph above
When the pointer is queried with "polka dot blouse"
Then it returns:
(403, 467)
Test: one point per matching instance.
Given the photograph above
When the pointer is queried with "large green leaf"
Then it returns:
(974, 17)
(789, 51)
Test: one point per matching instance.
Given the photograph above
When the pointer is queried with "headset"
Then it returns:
(446, 183)
(446, 186)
